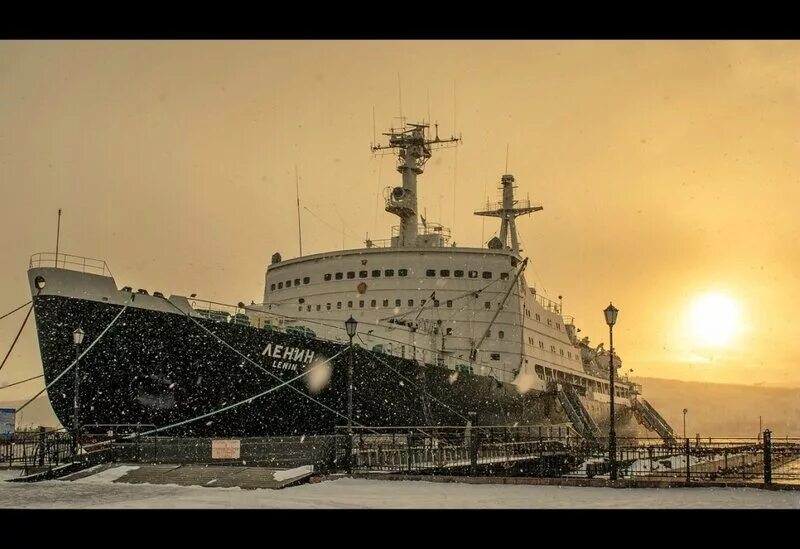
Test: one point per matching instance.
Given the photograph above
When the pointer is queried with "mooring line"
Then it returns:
(89, 348)
(19, 382)
(8, 354)
(15, 310)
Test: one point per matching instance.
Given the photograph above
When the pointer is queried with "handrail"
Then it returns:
(69, 262)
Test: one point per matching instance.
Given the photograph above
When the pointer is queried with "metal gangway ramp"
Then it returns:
(648, 416)
(576, 412)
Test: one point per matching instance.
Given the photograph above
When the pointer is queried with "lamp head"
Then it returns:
(77, 336)
(611, 314)
(350, 325)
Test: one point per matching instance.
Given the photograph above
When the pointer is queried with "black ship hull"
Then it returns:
(163, 369)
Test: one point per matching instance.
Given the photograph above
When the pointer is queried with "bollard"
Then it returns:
(767, 457)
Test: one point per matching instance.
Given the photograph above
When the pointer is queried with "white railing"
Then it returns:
(70, 262)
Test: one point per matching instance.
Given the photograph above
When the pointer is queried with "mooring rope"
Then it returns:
(248, 359)
(19, 382)
(15, 310)
(89, 348)
(8, 354)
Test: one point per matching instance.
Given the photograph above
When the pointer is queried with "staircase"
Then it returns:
(576, 412)
(651, 419)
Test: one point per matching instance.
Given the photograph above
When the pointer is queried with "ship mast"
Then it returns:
(414, 146)
(508, 210)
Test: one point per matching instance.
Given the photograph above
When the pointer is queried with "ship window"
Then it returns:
(495, 356)
(558, 326)
(458, 274)
(562, 352)
(449, 302)
(388, 272)
(538, 317)
(363, 274)
(552, 348)
(373, 303)
(473, 274)
(339, 276)
(449, 331)
(487, 304)
(299, 308)
(328, 306)
(280, 285)
(296, 281)
(541, 344)
(488, 333)
(430, 272)
(444, 272)
(549, 322)
(410, 302)
(319, 307)
(306, 280)
(308, 308)
(487, 274)
(569, 354)
(422, 302)
(385, 302)
(338, 304)
(376, 273)
(349, 304)
(503, 276)
(327, 276)
(435, 302)
(272, 287)
(501, 334)
(402, 272)
(288, 283)
(397, 302)
(351, 274)
(361, 303)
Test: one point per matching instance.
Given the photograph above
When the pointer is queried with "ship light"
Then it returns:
(39, 282)
(77, 336)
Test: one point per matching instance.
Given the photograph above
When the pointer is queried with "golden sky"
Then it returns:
(667, 170)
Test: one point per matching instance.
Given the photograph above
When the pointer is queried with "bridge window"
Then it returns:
(410, 302)
(473, 274)
(487, 274)
(376, 273)
(402, 272)
(430, 272)
(280, 285)
(449, 302)
(444, 272)
(339, 276)
(503, 276)
(501, 334)
(388, 272)
(296, 281)
(458, 274)
(351, 274)
(397, 302)
(327, 276)
(272, 287)
(363, 274)
(385, 302)
(306, 280)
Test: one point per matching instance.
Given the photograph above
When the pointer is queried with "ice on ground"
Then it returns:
(109, 475)
(292, 473)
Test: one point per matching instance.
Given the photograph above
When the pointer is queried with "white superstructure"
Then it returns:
(469, 309)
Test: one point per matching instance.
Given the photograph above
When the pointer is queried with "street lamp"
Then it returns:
(77, 340)
(611, 319)
(684, 422)
(350, 326)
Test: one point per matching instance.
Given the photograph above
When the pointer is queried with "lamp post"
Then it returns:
(77, 340)
(350, 325)
(685, 411)
(611, 319)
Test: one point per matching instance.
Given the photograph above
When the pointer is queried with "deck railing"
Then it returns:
(70, 262)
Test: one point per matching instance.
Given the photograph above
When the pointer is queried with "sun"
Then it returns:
(714, 319)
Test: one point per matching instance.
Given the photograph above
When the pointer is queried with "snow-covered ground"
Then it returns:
(100, 491)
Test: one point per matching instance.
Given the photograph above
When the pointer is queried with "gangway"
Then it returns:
(576, 412)
(648, 416)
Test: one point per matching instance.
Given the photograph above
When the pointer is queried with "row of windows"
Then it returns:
(539, 319)
(553, 349)
(386, 273)
(374, 303)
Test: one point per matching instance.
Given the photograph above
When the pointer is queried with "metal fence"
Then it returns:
(40, 449)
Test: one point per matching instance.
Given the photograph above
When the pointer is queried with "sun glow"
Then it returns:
(714, 319)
